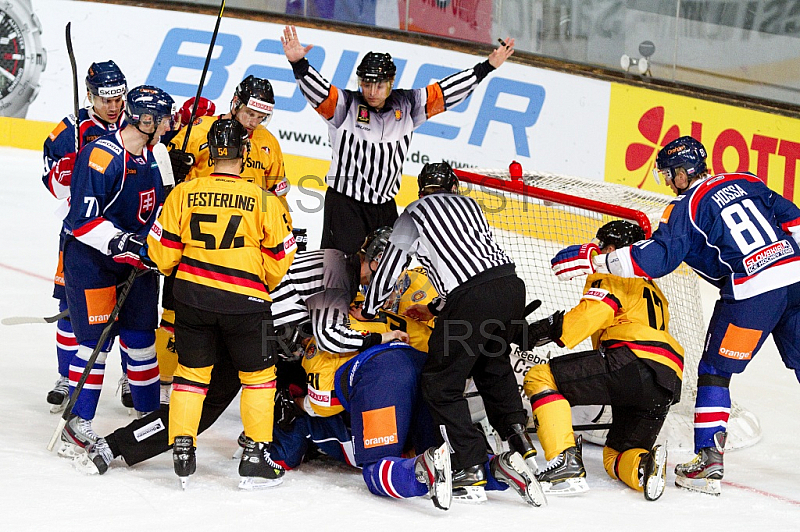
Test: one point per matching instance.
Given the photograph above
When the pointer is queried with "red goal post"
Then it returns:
(537, 214)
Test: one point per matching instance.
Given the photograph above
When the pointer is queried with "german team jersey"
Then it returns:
(627, 312)
(230, 240)
(264, 163)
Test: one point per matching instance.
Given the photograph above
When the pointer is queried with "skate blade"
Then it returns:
(57, 409)
(69, 450)
(470, 494)
(532, 491)
(569, 487)
(258, 483)
(654, 486)
(442, 488)
(184, 482)
(709, 486)
(83, 464)
(237, 454)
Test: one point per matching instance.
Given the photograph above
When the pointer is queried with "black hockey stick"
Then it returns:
(75, 104)
(203, 77)
(126, 288)
(19, 320)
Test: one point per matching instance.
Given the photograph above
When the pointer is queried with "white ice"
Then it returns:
(40, 491)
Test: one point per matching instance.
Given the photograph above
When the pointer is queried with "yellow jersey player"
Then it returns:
(230, 244)
(636, 367)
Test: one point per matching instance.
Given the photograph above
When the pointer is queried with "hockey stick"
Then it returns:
(20, 320)
(75, 104)
(203, 77)
(126, 288)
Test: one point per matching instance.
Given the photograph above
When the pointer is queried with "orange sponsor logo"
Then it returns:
(99, 303)
(99, 160)
(665, 215)
(739, 343)
(59, 278)
(57, 131)
(380, 427)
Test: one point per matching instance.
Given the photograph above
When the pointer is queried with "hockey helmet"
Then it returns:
(148, 100)
(376, 67)
(256, 93)
(619, 233)
(684, 152)
(227, 139)
(437, 175)
(375, 243)
(105, 79)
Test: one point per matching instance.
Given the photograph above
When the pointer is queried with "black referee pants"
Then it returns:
(347, 222)
(470, 339)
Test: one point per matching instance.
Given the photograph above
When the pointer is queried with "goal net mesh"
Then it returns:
(534, 217)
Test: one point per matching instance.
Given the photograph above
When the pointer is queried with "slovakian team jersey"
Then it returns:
(633, 312)
(732, 230)
(113, 190)
(230, 240)
(61, 142)
(369, 145)
(321, 366)
(264, 163)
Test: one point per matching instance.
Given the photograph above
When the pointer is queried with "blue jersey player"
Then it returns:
(742, 237)
(105, 89)
(116, 192)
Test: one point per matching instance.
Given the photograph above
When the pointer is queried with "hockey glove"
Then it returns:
(545, 331)
(281, 188)
(62, 170)
(300, 238)
(205, 107)
(129, 248)
(286, 410)
(182, 163)
(574, 261)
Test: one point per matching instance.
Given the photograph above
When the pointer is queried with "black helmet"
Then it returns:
(256, 93)
(375, 243)
(619, 233)
(376, 67)
(227, 139)
(439, 175)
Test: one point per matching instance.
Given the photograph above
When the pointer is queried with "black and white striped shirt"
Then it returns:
(450, 237)
(369, 146)
(319, 287)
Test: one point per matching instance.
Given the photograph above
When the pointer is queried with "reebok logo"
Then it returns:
(149, 430)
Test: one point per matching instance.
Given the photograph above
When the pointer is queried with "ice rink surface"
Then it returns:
(40, 491)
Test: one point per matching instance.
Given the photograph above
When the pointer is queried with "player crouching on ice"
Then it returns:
(636, 367)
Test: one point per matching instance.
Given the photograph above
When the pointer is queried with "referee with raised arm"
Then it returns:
(481, 299)
(370, 133)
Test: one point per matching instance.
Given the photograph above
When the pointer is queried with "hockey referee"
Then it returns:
(370, 132)
(481, 299)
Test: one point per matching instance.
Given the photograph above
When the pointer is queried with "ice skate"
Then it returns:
(242, 443)
(511, 469)
(468, 484)
(653, 472)
(58, 397)
(433, 469)
(257, 468)
(520, 441)
(96, 459)
(565, 474)
(124, 389)
(704, 472)
(76, 435)
(183, 458)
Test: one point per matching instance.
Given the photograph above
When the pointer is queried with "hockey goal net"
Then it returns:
(536, 215)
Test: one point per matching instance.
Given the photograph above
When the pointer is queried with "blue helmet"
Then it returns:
(106, 80)
(684, 152)
(148, 100)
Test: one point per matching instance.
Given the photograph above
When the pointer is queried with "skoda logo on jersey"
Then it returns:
(147, 204)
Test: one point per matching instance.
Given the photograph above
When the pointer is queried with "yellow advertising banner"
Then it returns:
(642, 121)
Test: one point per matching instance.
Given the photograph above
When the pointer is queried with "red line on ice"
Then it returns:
(26, 272)
(761, 492)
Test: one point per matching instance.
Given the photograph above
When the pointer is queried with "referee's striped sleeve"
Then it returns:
(331, 323)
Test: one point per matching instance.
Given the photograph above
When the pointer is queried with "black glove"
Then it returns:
(286, 410)
(300, 238)
(182, 163)
(130, 248)
(545, 331)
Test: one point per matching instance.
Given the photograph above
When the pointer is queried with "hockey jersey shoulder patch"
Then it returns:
(604, 296)
(100, 159)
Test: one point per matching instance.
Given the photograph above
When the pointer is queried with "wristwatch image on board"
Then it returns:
(22, 58)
